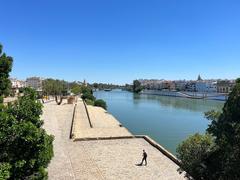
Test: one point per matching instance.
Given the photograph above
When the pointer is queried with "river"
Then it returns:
(168, 120)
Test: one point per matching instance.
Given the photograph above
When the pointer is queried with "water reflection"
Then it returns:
(197, 105)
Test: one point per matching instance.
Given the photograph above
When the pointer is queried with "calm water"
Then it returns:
(168, 120)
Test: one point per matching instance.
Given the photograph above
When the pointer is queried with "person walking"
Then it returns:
(144, 158)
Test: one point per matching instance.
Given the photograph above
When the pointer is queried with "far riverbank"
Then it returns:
(187, 94)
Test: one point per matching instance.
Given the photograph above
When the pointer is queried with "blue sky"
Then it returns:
(117, 41)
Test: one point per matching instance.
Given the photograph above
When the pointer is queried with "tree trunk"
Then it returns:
(60, 101)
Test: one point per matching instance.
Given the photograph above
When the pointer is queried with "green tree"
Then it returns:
(86, 89)
(5, 69)
(224, 162)
(137, 86)
(88, 95)
(238, 80)
(76, 89)
(100, 103)
(95, 85)
(192, 152)
(220, 161)
(25, 148)
(55, 87)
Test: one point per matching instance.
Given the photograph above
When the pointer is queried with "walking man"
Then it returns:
(144, 158)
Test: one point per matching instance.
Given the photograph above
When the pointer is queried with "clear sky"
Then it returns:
(117, 41)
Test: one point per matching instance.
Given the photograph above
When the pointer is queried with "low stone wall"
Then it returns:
(161, 149)
(72, 123)
(85, 105)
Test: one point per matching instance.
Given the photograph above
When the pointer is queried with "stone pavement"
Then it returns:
(100, 159)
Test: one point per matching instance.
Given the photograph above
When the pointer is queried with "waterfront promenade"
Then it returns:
(100, 159)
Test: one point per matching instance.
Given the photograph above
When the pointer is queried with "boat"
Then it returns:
(107, 89)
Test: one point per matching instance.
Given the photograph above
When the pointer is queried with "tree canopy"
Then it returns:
(76, 89)
(54, 87)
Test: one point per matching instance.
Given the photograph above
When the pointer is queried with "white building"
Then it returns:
(16, 84)
(206, 86)
(35, 83)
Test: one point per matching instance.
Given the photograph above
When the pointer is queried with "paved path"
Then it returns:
(103, 159)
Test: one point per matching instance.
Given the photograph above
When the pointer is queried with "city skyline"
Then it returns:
(119, 41)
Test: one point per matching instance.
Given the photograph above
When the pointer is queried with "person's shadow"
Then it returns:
(139, 164)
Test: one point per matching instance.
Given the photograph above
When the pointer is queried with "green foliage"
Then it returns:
(220, 161)
(25, 148)
(76, 89)
(89, 96)
(89, 102)
(137, 86)
(100, 103)
(128, 87)
(5, 170)
(86, 89)
(5, 69)
(238, 80)
(54, 87)
(87, 93)
(212, 115)
(192, 153)
(226, 130)
(102, 86)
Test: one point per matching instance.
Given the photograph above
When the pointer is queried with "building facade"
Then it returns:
(206, 86)
(16, 84)
(225, 86)
(35, 83)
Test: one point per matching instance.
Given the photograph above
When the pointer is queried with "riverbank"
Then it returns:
(186, 94)
(115, 158)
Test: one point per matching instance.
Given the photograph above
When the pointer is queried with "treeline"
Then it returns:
(102, 86)
(60, 88)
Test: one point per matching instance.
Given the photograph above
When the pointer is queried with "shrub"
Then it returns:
(100, 103)
(89, 102)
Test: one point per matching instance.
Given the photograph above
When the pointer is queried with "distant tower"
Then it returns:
(199, 78)
(85, 82)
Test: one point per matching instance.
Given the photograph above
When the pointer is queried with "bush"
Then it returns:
(100, 103)
(89, 102)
